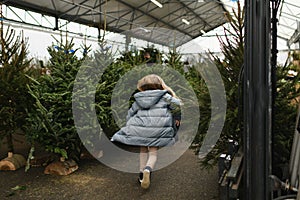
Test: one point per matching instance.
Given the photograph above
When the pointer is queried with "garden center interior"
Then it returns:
(271, 37)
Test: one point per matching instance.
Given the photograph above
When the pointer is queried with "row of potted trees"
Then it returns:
(40, 105)
(37, 100)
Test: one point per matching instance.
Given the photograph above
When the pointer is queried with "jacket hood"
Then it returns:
(148, 98)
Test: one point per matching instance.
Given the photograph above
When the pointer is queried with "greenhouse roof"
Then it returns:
(151, 20)
(288, 25)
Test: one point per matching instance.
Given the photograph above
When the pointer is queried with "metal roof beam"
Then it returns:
(295, 37)
(52, 13)
(152, 10)
(211, 27)
(119, 20)
(70, 9)
(15, 14)
(155, 18)
(192, 11)
(129, 12)
(287, 3)
(53, 4)
(97, 12)
(77, 16)
(291, 15)
(288, 17)
(30, 6)
(285, 26)
(86, 7)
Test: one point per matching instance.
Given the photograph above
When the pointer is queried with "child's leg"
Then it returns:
(143, 157)
(152, 151)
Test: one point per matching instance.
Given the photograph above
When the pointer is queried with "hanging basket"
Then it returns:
(12, 162)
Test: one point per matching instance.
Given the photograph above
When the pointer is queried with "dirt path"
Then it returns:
(183, 179)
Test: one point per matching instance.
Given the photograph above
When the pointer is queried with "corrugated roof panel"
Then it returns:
(125, 15)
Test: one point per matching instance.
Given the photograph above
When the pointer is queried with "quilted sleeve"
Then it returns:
(132, 111)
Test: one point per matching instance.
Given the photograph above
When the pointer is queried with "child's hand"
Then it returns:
(177, 122)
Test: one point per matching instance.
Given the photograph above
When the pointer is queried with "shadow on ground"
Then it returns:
(184, 179)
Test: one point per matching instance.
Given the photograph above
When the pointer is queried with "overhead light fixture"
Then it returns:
(144, 29)
(157, 3)
(200, 1)
(185, 21)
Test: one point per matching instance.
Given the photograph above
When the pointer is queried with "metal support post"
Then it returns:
(56, 24)
(257, 101)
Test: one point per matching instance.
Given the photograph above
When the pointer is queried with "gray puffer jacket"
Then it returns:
(150, 121)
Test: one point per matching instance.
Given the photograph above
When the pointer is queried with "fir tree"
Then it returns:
(286, 104)
(230, 68)
(14, 98)
(52, 123)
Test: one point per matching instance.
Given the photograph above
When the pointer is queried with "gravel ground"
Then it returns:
(184, 179)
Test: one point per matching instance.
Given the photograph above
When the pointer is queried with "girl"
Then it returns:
(152, 122)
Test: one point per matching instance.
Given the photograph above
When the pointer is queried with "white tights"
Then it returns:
(148, 157)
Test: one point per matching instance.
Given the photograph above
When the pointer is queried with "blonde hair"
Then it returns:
(154, 82)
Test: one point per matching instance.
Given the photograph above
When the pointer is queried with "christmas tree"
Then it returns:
(14, 97)
(52, 123)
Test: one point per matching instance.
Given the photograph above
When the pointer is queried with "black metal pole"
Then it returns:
(274, 20)
(257, 100)
(274, 51)
(56, 24)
